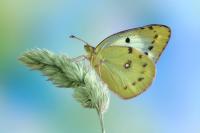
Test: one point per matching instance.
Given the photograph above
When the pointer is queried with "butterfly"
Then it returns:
(125, 61)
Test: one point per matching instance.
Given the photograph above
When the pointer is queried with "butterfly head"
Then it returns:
(89, 49)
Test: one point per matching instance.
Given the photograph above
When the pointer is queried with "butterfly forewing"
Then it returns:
(150, 39)
(126, 71)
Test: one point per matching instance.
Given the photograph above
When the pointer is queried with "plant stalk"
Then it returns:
(100, 114)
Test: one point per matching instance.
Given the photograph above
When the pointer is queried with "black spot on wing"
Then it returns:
(146, 53)
(144, 65)
(156, 36)
(130, 50)
(140, 79)
(150, 48)
(151, 27)
(153, 42)
(134, 83)
(127, 40)
(169, 35)
(125, 87)
(127, 64)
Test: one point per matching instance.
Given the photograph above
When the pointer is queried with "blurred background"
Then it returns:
(30, 104)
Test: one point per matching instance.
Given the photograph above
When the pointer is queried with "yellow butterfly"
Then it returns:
(125, 61)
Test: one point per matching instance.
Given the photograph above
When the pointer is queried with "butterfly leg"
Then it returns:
(79, 58)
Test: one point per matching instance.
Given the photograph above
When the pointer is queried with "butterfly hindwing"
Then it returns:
(150, 39)
(126, 71)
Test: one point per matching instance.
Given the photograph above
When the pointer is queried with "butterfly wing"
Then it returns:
(150, 39)
(126, 71)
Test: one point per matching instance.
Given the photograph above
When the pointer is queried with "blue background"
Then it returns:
(29, 104)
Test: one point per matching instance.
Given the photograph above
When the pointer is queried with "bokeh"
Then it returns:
(30, 104)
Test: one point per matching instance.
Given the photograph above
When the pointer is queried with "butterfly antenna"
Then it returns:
(72, 36)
